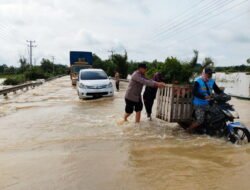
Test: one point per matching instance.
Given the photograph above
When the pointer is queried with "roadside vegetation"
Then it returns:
(173, 69)
(26, 72)
(233, 69)
(248, 61)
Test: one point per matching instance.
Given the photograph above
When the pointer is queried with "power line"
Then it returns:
(181, 15)
(188, 16)
(214, 26)
(3, 35)
(5, 30)
(225, 22)
(31, 46)
(192, 24)
(215, 6)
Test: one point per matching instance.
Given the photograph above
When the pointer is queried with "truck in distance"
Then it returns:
(79, 60)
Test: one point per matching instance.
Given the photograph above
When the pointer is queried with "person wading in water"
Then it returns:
(149, 95)
(133, 97)
(117, 80)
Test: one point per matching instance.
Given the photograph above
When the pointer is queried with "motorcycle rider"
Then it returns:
(202, 91)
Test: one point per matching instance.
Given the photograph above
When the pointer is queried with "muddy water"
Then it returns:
(51, 140)
(1, 83)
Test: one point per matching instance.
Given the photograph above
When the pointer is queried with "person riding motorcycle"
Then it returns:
(202, 92)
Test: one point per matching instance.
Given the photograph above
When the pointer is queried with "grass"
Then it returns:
(6, 76)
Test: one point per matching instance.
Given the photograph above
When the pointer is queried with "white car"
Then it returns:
(94, 83)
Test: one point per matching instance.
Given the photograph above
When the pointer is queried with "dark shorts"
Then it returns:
(133, 106)
(200, 112)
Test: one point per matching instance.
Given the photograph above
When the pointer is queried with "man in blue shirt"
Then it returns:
(202, 91)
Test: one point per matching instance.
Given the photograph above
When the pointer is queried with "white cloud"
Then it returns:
(59, 26)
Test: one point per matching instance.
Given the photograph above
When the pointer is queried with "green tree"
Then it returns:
(47, 66)
(120, 63)
(23, 64)
(132, 66)
(171, 70)
(194, 60)
(35, 73)
(97, 62)
(208, 62)
(60, 69)
(116, 62)
(248, 61)
(3, 68)
(10, 70)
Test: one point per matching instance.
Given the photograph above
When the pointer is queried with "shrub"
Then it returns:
(35, 73)
(15, 80)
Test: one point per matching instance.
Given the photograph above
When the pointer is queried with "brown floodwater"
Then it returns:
(49, 139)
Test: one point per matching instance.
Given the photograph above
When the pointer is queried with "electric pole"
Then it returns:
(53, 60)
(31, 46)
(112, 52)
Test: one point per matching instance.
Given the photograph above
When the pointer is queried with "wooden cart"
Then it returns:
(174, 103)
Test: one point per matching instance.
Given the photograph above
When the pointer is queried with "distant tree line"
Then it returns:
(233, 69)
(173, 69)
(27, 72)
(248, 61)
(116, 62)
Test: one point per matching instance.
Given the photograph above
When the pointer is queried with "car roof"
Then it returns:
(84, 70)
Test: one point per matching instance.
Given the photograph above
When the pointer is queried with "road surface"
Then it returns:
(49, 139)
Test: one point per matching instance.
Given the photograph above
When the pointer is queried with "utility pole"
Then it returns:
(31, 45)
(112, 52)
(53, 60)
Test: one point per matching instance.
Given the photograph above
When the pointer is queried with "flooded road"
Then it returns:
(49, 139)
(1, 83)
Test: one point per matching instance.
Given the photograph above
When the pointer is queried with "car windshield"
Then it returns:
(93, 75)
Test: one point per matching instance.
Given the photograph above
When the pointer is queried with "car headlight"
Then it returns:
(82, 86)
(110, 85)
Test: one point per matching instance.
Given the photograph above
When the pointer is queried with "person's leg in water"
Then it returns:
(193, 126)
(138, 109)
(129, 108)
(148, 105)
(117, 85)
(126, 116)
(138, 117)
(200, 117)
(145, 101)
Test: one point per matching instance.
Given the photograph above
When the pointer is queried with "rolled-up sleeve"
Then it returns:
(144, 81)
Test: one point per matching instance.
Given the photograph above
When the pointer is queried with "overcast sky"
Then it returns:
(147, 29)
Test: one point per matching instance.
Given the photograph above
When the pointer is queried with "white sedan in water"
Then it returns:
(94, 83)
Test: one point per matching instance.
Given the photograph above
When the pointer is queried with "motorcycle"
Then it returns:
(219, 121)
